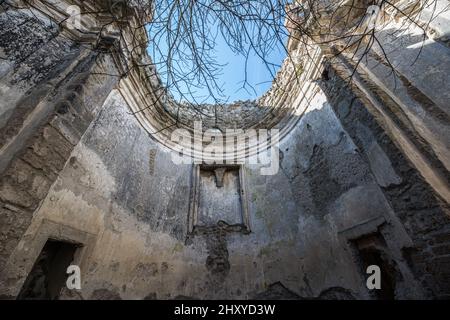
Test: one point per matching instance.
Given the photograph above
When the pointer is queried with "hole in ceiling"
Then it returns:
(213, 52)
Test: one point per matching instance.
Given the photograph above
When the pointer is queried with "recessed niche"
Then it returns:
(48, 274)
(218, 197)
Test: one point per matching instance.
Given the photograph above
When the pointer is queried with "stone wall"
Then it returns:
(79, 164)
(51, 89)
(424, 215)
(137, 215)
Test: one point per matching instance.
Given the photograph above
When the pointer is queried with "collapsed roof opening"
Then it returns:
(216, 52)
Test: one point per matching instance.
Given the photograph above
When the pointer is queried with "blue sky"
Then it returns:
(233, 72)
(258, 75)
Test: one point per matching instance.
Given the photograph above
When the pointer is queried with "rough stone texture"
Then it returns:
(140, 220)
(78, 166)
(56, 102)
(240, 114)
(35, 54)
(425, 217)
(219, 203)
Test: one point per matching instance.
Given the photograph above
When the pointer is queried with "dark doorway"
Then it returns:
(48, 275)
(373, 251)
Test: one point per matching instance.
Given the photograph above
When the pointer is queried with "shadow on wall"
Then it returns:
(319, 168)
(423, 215)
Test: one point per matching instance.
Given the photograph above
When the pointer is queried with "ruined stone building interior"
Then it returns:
(88, 177)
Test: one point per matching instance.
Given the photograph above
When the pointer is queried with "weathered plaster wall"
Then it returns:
(51, 88)
(79, 169)
(136, 211)
(424, 216)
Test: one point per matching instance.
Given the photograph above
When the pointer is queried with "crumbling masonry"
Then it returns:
(86, 179)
